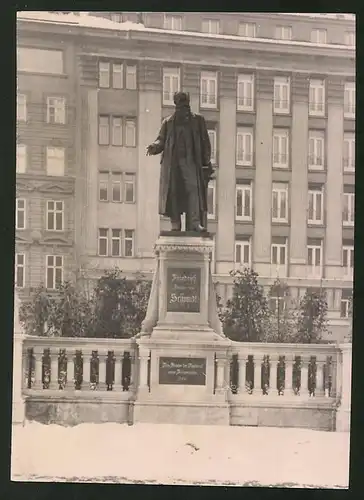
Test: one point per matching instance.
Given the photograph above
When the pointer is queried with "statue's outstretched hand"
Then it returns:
(150, 150)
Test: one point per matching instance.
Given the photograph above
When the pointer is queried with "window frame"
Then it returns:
(116, 238)
(208, 77)
(54, 267)
(311, 267)
(130, 120)
(349, 166)
(104, 239)
(244, 188)
(61, 158)
(107, 118)
(210, 23)
(349, 267)
(21, 117)
(281, 134)
(279, 83)
(349, 102)
(243, 81)
(280, 32)
(170, 72)
(315, 193)
(316, 35)
(131, 181)
(21, 158)
(242, 244)
(279, 191)
(351, 213)
(246, 30)
(281, 269)
(23, 210)
(125, 240)
(113, 128)
(17, 267)
(62, 110)
(173, 18)
(244, 132)
(316, 107)
(212, 186)
(316, 136)
(54, 213)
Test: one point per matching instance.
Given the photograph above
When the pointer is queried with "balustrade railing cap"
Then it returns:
(197, 244)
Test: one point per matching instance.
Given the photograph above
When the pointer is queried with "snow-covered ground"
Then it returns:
(173, 454)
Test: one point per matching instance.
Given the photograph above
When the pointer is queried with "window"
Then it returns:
(281, 103)
(284, 32)
(117, 76)
(279, 257)
(104, 74)
(245, 93)
(131, 77)
(173, 23)
(317, 98)
(21, 158)
(349, 206)
(208, 89)
(20, 214)
(345, 303)
(349, 152)
(316, 150)
(19, 270)
(212, 137)
(350, 38)
(129, 188)
(128, 243)
(280, 148)
(55, 211)
(103, 242)
(314, 259)
(116, 130)
(318, 36)
(117, 18)
(55, 161)
(56, 110)
(211, 26)
(54, 270)
(130, 133)
(21, 108)
(244, 146)
(116, 242)
(277, 303)
(315, 205)
(171, 84)
(104, 130)
(280, 202)
(211, 200)
(242, 253)
(349, 100)
(247, 30)
(244, 202)
(348, 261)
(35, 60)
(116, 186)
(103, 186)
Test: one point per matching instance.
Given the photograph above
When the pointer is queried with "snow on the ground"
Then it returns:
(174, 454)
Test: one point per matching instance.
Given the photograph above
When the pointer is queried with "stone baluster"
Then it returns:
(335, 377)
(38, 356)
(320, 376)
(242, 374)
(102, 370)
(143, 367)
(54, 370)
(344, 410)
(258, 358)
(220, 374)
(132, 385)
(118, 371)
(70, 384)
(86, 374)
(305, 360)
(288, 379)
(273, 362)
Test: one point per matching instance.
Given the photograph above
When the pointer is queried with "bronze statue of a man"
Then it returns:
(185, 166)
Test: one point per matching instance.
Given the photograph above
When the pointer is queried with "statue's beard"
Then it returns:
(182, 113)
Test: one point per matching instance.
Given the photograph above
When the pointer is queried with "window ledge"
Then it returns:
(34, 73)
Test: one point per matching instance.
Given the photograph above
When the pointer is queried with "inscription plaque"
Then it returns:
(182, 371)
(183, 289)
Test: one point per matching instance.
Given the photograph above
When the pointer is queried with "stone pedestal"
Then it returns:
(183, 362)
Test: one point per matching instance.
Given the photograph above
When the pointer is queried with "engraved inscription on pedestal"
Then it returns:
(183, 289)
(182, 371)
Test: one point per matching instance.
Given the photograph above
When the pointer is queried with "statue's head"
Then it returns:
(181, 99)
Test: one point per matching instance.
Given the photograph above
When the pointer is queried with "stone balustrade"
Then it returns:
(78, 364)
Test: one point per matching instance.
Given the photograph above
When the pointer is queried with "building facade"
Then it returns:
(278, 94)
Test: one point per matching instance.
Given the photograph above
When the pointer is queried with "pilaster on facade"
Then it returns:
(263, 177)
(226, 177)
(149, 124)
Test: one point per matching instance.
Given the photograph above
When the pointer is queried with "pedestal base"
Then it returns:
(182, 413)
(18, 414)
(343, 420)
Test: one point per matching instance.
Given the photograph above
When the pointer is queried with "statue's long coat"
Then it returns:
(202, 153)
